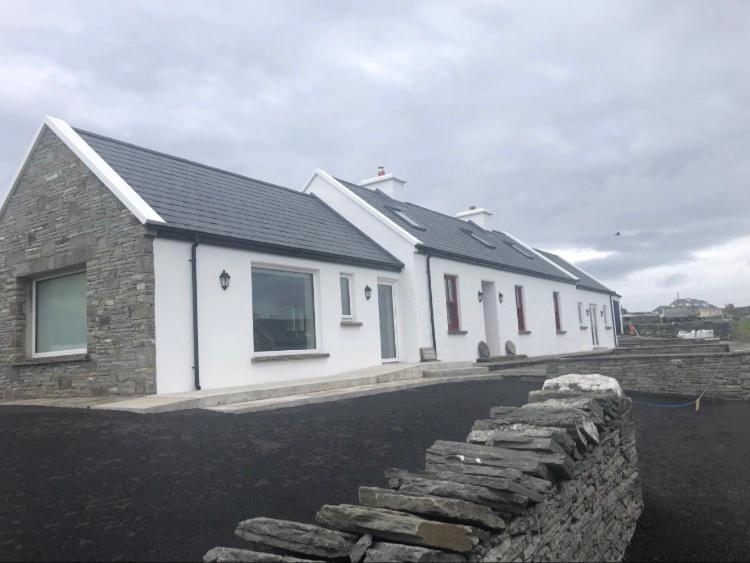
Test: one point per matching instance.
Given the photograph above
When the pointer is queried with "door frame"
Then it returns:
(488, 302)
(392, 284)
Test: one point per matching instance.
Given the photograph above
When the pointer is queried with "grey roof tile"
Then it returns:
(448, 235)
(585, 281)
(195, 197)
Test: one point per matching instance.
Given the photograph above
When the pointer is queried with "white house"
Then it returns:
(127, 271)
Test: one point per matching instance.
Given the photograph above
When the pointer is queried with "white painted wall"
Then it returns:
(225, 318)
(606, 331)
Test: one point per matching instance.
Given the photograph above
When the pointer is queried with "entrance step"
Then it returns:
(500, 359)
(455, 372)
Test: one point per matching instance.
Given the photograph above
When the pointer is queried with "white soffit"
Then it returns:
(127, 195)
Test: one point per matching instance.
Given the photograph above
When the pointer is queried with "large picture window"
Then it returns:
(59, 305)
(283, 311)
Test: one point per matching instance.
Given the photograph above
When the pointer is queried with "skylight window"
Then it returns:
(520, 249)
(406, 219)
(478, 238)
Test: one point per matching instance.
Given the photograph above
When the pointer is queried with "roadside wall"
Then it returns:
(672, 374)
(554, 480)
(687, 348)
(722, 328)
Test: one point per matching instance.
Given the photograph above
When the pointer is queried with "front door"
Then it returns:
(594, 324)
(387, 322)
(491, 322)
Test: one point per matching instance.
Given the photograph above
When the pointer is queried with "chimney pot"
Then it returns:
(381, 170)
(472, 207)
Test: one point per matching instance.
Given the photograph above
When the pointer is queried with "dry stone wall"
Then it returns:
(554, 480)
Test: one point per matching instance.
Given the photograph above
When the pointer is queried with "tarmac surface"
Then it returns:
(91, 485)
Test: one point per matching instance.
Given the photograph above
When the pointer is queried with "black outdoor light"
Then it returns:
(480, 295)
(224, 279)
(368, 292)
(500, 297)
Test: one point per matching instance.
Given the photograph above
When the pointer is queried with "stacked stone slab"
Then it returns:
(554, 480)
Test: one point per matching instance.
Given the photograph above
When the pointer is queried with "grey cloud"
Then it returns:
(569, 121)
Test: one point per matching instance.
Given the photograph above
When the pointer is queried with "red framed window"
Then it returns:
(556, 303)
(451, 302)
(520, 313)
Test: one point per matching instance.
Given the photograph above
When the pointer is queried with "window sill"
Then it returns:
(607, 328)
(350, 322)
(289, 357)
(562, 332)
(524, 332)
(63, 359)
(457, 332)
(583, 327)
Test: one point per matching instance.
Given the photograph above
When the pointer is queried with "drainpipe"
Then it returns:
(194, 271)
(432, 312)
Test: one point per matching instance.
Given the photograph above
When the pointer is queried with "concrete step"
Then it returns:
(455, 372)
(498, 359)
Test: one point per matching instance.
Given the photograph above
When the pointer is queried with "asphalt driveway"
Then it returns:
(92, 485)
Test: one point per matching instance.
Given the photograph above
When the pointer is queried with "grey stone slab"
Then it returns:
(401, 527)
(295, 537)
(384, 551)
(501, 501)
(357, 553)
(441, 508)
(232, 555)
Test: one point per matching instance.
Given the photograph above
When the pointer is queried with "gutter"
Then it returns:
(194, 275)
(432, 311)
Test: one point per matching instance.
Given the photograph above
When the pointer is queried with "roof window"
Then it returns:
(518, 248)
(406, 219)
(478, 238)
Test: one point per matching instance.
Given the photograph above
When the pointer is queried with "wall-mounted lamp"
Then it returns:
(480, 296)
(224, 279)
(368, 292)
(500, 297)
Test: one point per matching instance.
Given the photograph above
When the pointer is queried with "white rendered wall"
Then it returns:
(225, 318)
(606, 335)
(540, 315)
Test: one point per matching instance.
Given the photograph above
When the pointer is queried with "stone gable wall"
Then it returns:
(59, 217)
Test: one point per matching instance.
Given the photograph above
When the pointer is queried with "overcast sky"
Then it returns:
(569, 120)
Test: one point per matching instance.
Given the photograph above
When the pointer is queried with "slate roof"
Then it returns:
(585, 281)
(447, 236)
(198, 198)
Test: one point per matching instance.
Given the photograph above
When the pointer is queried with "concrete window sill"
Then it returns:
(52, 360)
(350, 322)
(562, 332)
(458, 332)
(524, 332)
(290, 357)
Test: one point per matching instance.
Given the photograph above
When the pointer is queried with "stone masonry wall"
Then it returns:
(671, 374)
(686, 348)
(554, 480)
(60, 217)
(722, 328)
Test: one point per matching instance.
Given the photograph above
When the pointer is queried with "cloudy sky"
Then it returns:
(569, 120)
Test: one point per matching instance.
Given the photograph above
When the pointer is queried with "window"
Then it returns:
(518, 248)
(606, 316)
(556, 304)
(478, 238)
(345, 282)
(580, 313)
(59, 307)
(451, 302)
(406, 219)
(520, 312)
(283, 311)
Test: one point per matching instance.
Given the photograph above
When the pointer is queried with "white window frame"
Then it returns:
(32, 324)
(394, 286)
(317, 310)
(350, 285)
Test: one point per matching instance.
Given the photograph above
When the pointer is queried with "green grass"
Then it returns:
(741, 330)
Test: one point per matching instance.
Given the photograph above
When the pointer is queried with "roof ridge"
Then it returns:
(187, 160)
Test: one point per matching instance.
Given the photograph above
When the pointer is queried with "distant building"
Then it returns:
(687, 308)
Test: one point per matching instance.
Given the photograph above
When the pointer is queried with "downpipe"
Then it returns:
(194, 272)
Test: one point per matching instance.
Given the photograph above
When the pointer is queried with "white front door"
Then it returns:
(594, 324)
(491, 322)
(387, 310)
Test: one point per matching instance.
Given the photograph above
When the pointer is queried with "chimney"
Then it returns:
(386, 183)
(480, 216)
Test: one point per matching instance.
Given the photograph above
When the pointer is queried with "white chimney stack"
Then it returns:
(386, 183)
(479, 216)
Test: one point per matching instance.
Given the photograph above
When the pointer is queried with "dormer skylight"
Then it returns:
(520, 249)
(406, 219)
(478, 238)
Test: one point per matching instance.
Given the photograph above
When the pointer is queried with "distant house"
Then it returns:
(128, 271)
(687, 308)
